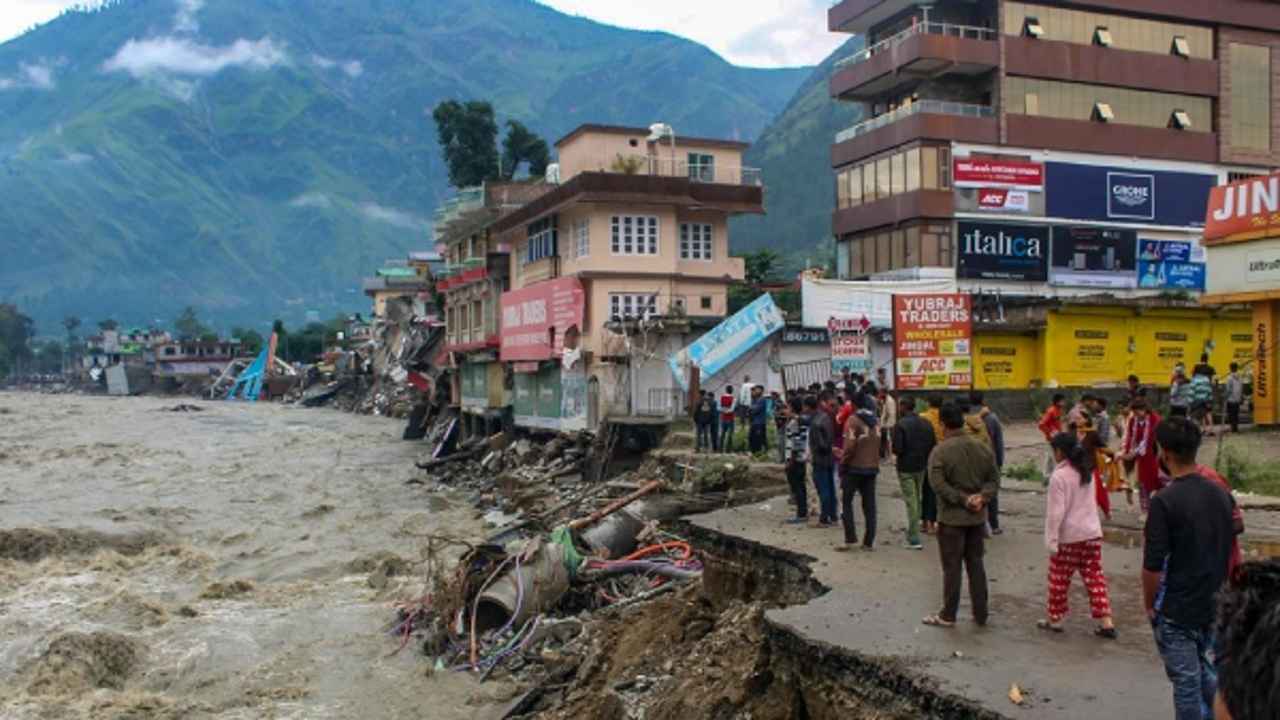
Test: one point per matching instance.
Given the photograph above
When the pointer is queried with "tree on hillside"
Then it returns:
(188, 326)
(251, 342)
(761, 267)
(108, 324)
(468, 135)
(16, 331)
(521, 146)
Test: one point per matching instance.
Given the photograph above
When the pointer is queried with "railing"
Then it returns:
(969, 32)
(938, 107)
(662, 402)
(663, 165)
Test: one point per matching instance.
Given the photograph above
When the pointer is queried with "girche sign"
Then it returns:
(932, 335)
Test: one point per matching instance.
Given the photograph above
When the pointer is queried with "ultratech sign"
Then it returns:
(1094, 257)
(991, 251)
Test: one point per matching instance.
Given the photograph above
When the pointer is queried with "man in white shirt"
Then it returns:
(744, 398)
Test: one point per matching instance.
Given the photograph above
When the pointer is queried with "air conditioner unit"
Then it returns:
(553, 174)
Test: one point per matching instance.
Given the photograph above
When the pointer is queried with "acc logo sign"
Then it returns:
(1131, 196)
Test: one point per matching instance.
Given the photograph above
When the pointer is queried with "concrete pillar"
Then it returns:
(1266, 318)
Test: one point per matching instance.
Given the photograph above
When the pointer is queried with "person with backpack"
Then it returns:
(796, 446)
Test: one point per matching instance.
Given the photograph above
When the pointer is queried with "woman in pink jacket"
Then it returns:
(1073, 535)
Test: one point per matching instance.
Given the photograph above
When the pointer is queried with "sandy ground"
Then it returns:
(878, 599)
(230, 563)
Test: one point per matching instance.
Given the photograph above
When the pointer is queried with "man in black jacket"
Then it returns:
(822, 435)
(913, 440)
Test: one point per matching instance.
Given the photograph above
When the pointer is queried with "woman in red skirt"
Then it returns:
(1073, 535)
(1140, 449)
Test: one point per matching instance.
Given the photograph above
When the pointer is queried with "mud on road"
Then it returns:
(238, 562)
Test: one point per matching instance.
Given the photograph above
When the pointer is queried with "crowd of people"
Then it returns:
(949, 456)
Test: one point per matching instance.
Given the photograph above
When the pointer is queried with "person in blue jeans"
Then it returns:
(822, 433)
(1187, 552)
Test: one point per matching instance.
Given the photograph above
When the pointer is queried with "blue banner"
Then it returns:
(1131, 195)
(1171, 275)
(728, 341)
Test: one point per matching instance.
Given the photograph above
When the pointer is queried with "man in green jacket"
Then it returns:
(964, 476)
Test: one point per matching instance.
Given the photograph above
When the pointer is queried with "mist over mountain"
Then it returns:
(256, 158)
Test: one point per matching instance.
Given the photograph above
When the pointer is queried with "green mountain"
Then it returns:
(255, 158)
(794, 153)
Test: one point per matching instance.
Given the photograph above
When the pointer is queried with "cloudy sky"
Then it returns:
(765, 33)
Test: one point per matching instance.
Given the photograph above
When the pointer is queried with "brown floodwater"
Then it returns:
(228, 563)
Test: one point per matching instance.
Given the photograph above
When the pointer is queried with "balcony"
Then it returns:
(858, 16)
(662, 165)
(1110, 138)
(917, 53)
(1073, 62)
(924, 119)
(893, 210)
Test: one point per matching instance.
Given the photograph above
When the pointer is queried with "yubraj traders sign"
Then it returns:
(931, 341)
(536, 318)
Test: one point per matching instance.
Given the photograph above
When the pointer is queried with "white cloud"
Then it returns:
(36, 76)
(768, 33)
(318, 200)
(180, 56)
(353, 68)
(184, 20)
(75, 158)
(392, 216)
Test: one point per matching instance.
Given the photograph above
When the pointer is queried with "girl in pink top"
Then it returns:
(1073, 536)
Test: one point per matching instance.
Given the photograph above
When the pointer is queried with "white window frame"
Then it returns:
(696, 241)
(635, 234)
(632, 306)
(702, 167)
(582, 238)
(540, 247)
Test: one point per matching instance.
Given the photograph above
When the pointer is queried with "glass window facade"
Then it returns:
(920, 168)
(915, 245)
(1075, 101)
(1250, 96)
(1078, 26)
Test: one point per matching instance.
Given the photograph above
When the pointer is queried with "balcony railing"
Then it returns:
(968, 32)
(937, 107)
(666, 166)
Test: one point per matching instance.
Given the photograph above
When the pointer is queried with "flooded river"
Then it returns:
(229, 563)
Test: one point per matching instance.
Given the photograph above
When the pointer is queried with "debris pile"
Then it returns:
(395, 371)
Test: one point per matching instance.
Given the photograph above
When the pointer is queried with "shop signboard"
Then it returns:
(1245, 210)
(1133, 195)
(535, 319)
(982, 173)
(1001, 251)
(728, 341)
(1166, 265)
(1094, 257)
(850, 345)
(932, 341)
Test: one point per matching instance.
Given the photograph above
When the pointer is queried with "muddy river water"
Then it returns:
(228, 563)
